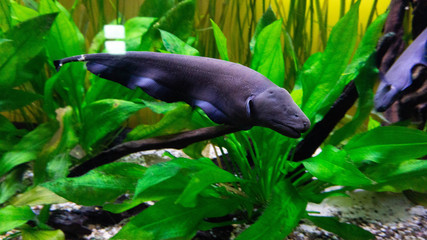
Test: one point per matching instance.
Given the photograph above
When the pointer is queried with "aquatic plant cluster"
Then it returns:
(63, 132)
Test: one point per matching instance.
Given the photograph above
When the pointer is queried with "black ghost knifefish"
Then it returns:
(229, 93)
(399, 76)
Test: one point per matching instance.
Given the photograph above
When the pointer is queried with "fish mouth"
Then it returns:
(286, 129)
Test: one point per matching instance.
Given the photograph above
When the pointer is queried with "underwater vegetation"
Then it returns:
(63, 132)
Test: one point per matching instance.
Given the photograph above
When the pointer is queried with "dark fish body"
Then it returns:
(227, 92)
(399, 76)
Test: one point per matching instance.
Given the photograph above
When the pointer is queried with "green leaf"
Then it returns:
(12, 217)
(95, 114)
(37, 196)
(33, 234)
(172, 122)
(64, 39)
(334, 166)
(28, 148)
(27, 42)
(281, 216)
(5, 17)
(221, 41)
(10, 135)
(179, 19)
(344, 230)
(406, 175)
(387, 145)
(134, 29)
(175, 45)
(12, 99)
(167, 220)
(55, 159)
(100, 185)
(155, 8)
(11, 184)
(267, 18)
(321, 74)
(199, 175)
(21, 13)
(268, 56)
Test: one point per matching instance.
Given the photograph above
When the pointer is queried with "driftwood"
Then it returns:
(178, 141)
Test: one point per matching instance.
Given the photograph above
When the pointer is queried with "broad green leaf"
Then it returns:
(199, 174)
(345, 230)
(64, 39)
(49, 104)
(322, 72)
(27, 42)
(55, 159)
(268, 56)
(281, 216)
(175, 45)
(155, 8)
(172, 122)
(37, 196)
(100, 185)
(365, 83)
(179, 19)
(221, 41)
(134, 29)
(12, 99)
(363, 70)
(334, 166)
(21, 13)
(387, 145)
(267, 18)
(28, 148)
(96, 114)
(167, 220)
(10, 135)
(406, 175)
(33, 234)
(11, 184)
(12, 217)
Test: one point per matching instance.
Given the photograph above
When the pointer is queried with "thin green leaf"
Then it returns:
(334, 166)
(12, 217)
(5, 16)
(100, 185)
(268, 57)
(282, 214)
(221, 41)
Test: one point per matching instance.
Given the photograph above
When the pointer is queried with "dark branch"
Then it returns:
(178, 141)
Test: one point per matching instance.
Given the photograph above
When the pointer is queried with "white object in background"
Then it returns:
(115, 47)
(114, 31)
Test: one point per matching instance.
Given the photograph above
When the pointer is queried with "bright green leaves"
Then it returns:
(388, 145)
(282, 214)
(268, 57)
(198, 175)
(96, 114)
(221, 41)
(11, 217)
(168, 220)
(334, 166)
(322, 71)
(99, 186)
(27, 40)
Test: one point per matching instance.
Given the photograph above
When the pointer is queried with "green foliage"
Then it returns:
(77, 116)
